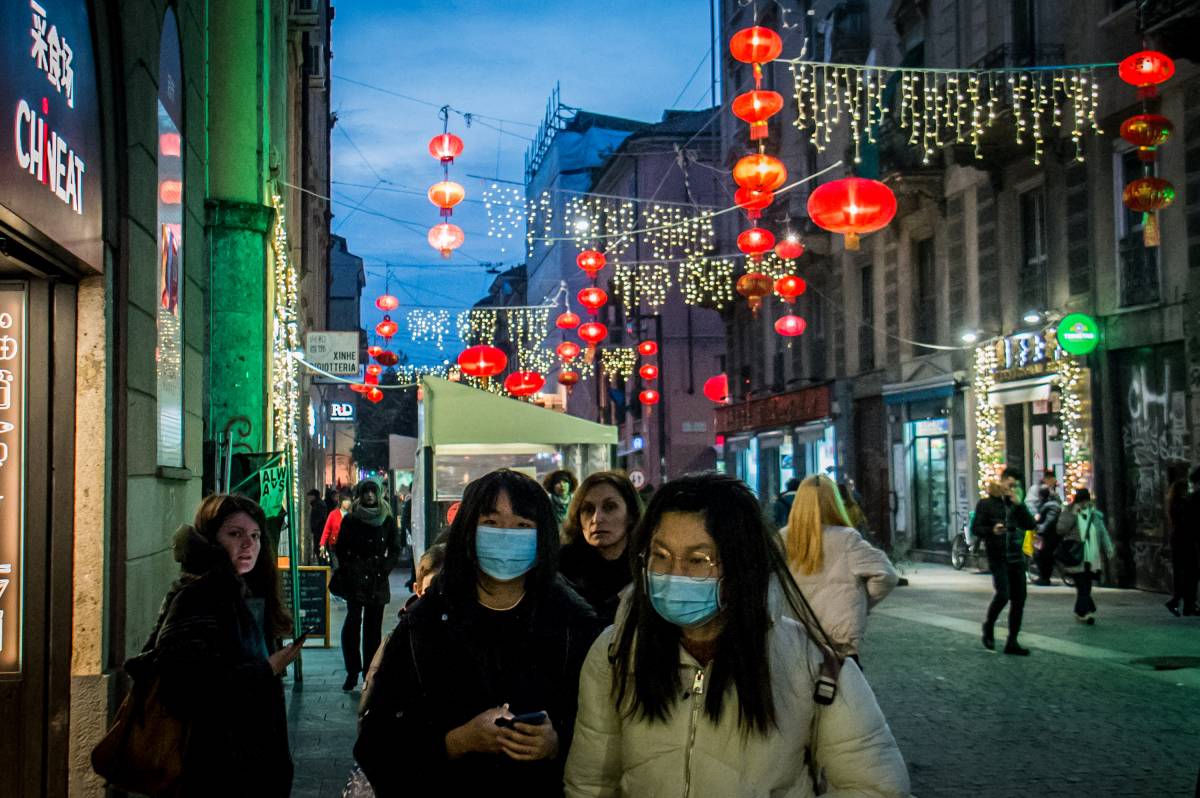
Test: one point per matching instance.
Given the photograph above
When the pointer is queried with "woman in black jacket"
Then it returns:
(215, 650)
(600, 522)
(499, 634)
(368, 548)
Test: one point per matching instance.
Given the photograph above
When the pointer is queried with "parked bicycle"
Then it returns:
(967, 548)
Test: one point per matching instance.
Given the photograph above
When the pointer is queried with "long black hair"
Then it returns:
(646, 669)
(460, 574)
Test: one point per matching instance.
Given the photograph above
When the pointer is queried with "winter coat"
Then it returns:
(854, 577)
(1086, 525)
(1048, 510)
(996, 508)
(690, 755)
(211, 655)
(434, 676)
(597, 580)
(782, 507)
(333, 525)
(366, 554)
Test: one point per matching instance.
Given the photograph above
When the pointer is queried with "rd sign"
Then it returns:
(334, 352)
(341, 411)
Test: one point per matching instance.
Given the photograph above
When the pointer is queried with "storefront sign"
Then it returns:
(50, 153)
(796, 407)
(272, 490)
(1078, 334)
(341, 411)
(334, 352)
(12, 478)
(1025, 355)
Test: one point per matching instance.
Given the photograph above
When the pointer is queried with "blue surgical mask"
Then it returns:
(505, 554)
(684, 600)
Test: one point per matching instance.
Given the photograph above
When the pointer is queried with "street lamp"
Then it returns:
(969, 337)
(1033, 316)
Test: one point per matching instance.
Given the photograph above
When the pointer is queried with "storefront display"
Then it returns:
(12, 466)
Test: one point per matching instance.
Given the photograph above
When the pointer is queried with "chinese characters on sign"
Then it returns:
(52, 54)
(12, 456)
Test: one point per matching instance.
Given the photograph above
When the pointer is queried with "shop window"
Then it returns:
(1032, 282)
(169, 298)
(1137, 264)
(925, 296)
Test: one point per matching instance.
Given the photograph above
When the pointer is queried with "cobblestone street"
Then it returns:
(1086, 714)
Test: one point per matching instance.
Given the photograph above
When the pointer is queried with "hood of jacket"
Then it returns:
(197, 555)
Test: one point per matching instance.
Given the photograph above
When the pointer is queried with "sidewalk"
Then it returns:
(322, 719)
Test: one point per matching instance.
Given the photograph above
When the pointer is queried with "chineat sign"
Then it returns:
(50, 149)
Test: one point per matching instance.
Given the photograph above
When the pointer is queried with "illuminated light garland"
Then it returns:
(938, 107)
(642, 282)
(428, 326)
(505, 206)
(539, 212)
(619, 363)
(600, 223)
(989, 452)
(707, 281)
(525, 328)
(285, 339)
(673, 233)
(1075, 394)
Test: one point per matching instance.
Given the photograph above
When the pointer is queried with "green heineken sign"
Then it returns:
(1078, 334)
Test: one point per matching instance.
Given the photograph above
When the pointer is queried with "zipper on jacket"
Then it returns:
(697, 704)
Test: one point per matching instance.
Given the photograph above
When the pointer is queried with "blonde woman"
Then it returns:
(841, 575)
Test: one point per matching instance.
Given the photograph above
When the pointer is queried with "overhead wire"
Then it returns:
(471, 114)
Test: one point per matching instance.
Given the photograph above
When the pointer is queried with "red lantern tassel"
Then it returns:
(852, 241)
(1150, 234)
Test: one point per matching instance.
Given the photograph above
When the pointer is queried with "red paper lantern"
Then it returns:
(591, 262)
(446, 238)
(593, 333)
(759, 172)
(375, 395)
(388, 358)
(1146, 70)
(524, 383)
(569, 379)
(754, 286)
(482, 361)
(756, 107)
(568, 350)
(446, 194)
(789, 287)
(386, 302)
(1147, 132)
(716, 388)
(370, 380)
(649, 397)
(789, 248)
(1148, 196)
(374, 351)
(359, 387)
(852, 206)
(567, 321)
(755, 242)
(647, 348)
(446, 147)
(592, 298)
(753, 201)
(790, 325)
(756, 45)
(648, 372)
(386, 328)
(374, 369)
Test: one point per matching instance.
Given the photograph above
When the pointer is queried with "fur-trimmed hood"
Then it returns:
(996, 490)
(196, 554)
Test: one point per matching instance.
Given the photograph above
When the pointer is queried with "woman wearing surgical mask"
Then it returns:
(709, 683)
(476, 691)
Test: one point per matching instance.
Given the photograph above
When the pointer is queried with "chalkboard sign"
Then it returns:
(314, 599)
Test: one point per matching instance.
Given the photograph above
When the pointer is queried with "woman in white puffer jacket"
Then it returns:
(841, 575)
(707, 685)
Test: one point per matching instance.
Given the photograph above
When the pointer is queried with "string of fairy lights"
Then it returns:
(285, 340)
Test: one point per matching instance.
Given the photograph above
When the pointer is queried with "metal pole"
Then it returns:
(293, 558)
(712, 44)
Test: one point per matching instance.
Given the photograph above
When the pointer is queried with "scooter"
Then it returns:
(966, 547)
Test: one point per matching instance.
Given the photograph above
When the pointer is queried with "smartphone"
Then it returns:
(299, 641)
(532, 718)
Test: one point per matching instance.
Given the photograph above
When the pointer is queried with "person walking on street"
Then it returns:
(560, 485)
(333, 524)
(318, 512)
(477, 688)
(368, 548)
(1084, 534)
(595, 558)
(1000, 522)
(1047, 507)
(1183, 515)
(841, 575)
(707, 685)
(782, 505)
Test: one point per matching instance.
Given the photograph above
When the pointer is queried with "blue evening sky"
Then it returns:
(499, 59)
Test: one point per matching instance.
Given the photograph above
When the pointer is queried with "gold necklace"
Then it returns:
(502, 609)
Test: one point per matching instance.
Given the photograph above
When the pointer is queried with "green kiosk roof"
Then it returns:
(460, 414)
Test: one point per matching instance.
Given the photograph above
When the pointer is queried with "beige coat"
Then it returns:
(691, 757)
(854, 577)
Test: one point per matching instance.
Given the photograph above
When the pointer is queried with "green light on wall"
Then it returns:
(1078, 334)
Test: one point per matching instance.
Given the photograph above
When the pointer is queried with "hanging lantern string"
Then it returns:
(947, 70)
(682, 222)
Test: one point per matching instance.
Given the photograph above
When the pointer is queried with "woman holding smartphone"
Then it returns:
(216, 654)
(476, 690)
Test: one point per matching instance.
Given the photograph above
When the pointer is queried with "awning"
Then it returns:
(1018, 392)
(940, 386)
(460, 414)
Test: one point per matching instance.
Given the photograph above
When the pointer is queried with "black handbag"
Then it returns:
(1069, 553)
